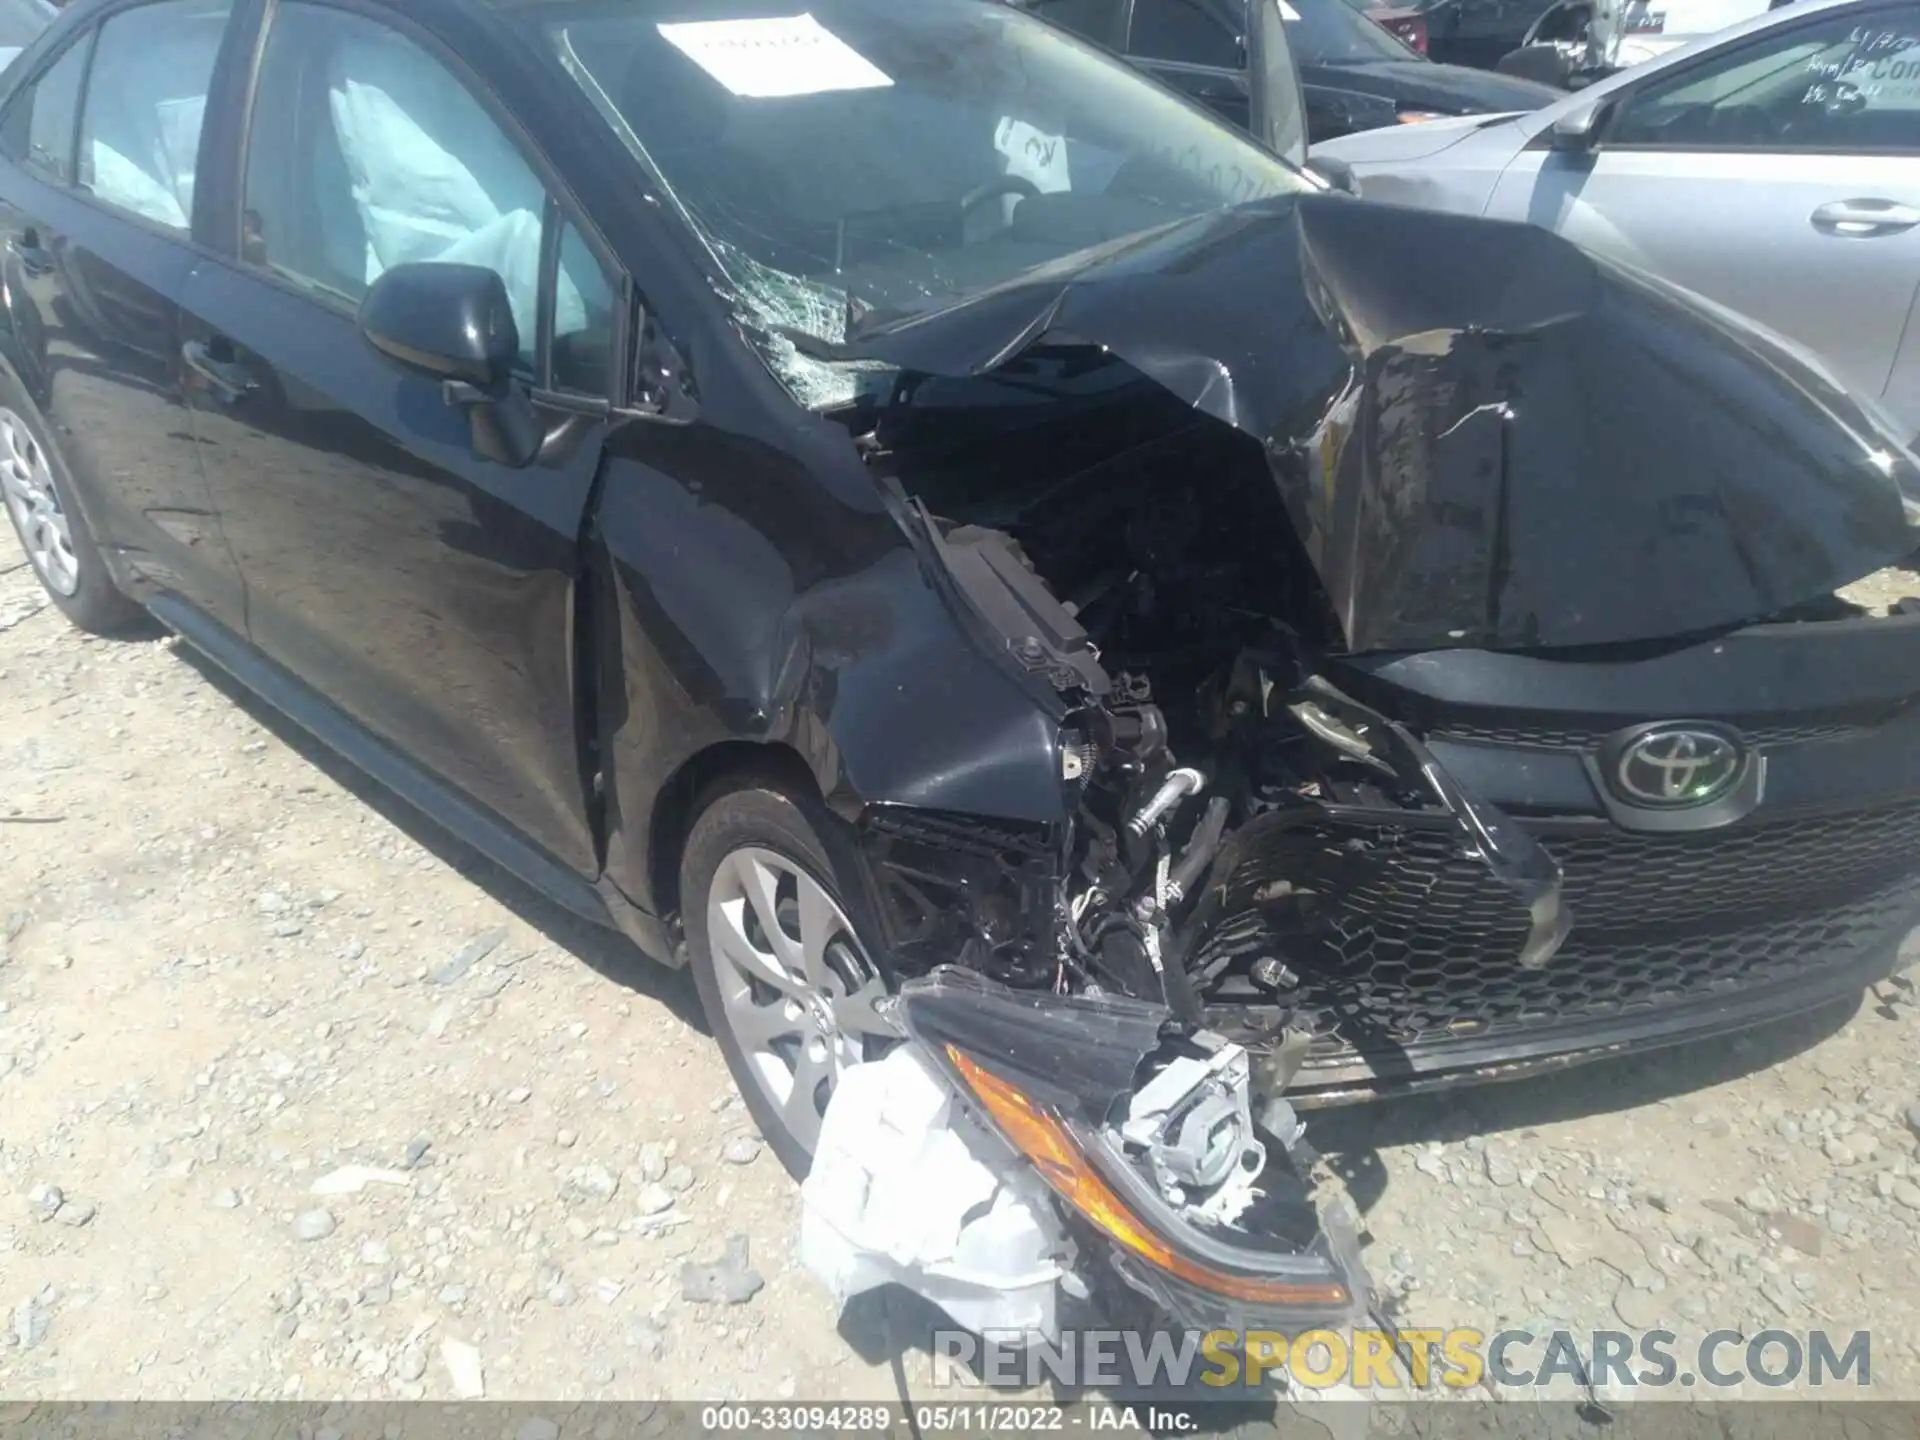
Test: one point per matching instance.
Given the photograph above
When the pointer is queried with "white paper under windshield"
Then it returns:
(792, 55)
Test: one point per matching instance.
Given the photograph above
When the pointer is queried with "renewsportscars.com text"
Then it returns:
(1416, 1359)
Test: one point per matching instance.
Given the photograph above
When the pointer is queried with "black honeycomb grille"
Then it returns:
(1403, 941)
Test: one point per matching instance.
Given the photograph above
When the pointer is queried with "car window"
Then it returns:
(582, 319)
(867, 157)
(40, 123)
(1098, 20)
(146, 98)
(1847, 82)
(366, 152)
(1192, 32)
(1332, 32)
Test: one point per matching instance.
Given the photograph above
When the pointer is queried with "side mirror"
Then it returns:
(455, 322)
(1337, 173)
(1578, 131)
(452, 321)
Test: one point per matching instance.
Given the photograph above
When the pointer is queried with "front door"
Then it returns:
(425, 591)
(1780, 177)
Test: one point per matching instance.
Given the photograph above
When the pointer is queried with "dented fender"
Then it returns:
(766, 592)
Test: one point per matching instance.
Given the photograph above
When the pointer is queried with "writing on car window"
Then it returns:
(1837, 85)
(1874, 65)
(1237, 183)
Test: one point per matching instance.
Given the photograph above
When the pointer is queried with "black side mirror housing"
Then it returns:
(452, 321)
(1337, 173)
(455, 322)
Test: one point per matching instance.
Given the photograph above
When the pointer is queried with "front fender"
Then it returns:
(892, 701)
(733, 596)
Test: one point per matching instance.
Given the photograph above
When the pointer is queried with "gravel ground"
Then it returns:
(299, 1097)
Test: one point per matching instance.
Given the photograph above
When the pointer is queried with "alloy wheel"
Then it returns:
(797, 991)
(27, 482)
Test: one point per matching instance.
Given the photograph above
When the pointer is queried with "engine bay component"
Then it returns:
(1192, 1127)
(1176, 787)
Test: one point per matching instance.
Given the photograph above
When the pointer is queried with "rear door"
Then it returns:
(425, 592)
(1780, 176)
(97, 199)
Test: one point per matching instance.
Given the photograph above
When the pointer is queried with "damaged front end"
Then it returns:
(1132, 894)
(1024, 1152)
(1065, 1033)
(1188, 485)
(1191, 492)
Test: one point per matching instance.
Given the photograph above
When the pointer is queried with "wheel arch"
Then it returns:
(23, 380)
(681, 799)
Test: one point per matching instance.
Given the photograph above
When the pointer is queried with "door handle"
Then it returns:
(1864, 219)
(228, 379)
(26, 246)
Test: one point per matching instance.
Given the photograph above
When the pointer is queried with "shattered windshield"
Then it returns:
(847, 158)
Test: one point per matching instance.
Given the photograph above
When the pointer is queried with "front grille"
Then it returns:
(1401, 941)
(1761, 734)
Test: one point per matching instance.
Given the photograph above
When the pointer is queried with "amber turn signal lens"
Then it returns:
(1418, 117)
(1038, 1134)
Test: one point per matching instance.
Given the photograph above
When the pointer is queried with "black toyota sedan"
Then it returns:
(846, 493)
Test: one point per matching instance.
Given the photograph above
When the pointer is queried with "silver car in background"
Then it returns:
(1774, 168)
(21, 22)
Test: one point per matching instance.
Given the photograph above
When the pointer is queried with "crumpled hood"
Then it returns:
(1483, 435)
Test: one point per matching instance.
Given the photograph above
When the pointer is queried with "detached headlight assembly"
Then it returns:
(1056, 1147)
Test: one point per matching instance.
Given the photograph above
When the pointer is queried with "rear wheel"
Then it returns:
(39, 501)
(787, 983)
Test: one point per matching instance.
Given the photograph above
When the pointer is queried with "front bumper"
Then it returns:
(1406, 980)
(1654, 1014)
(1673, 939)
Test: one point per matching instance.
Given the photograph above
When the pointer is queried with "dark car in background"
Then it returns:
(1404, 22)
(1352, 73)
(1478, 33)
(1356, 75)
(1233, 56)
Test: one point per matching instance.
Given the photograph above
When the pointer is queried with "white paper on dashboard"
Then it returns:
(1033, 155)
(760, 59)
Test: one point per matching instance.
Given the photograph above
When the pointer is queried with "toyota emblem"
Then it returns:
(1672, 767)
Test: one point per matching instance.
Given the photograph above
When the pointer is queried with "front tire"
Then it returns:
(37, 490)
(788, 986)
